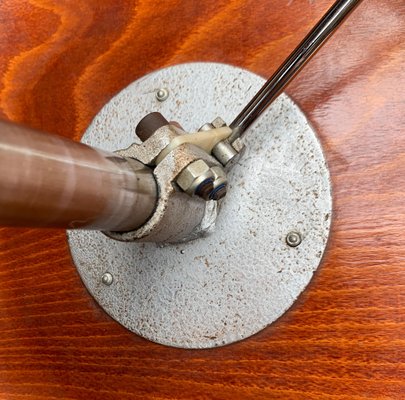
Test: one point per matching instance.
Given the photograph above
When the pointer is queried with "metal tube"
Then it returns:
(49, 181)
(286, 72)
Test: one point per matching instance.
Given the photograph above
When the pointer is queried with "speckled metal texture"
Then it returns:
(239, 279)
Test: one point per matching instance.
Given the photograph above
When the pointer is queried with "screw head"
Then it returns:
(162, 94)
(293, 239)
(107, 279)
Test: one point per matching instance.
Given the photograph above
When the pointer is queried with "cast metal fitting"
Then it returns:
(187, 176)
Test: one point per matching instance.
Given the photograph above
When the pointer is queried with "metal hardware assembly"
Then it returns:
(204, 273)
(187, 177)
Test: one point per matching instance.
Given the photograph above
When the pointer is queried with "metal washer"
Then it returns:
(230, 285)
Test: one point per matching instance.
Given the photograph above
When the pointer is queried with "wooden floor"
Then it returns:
(61, 61)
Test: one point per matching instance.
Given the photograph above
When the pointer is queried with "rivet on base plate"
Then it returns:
(107, 279)
(162, 94)
(293, 239)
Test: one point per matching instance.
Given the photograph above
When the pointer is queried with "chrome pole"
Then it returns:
(286, 72)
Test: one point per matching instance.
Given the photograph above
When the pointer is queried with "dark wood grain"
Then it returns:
(61, 61)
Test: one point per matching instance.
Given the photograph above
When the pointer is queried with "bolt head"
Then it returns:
(107, 279)
(162, 94)
(293, 239)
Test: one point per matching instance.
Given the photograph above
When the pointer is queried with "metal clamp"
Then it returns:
(187, 176)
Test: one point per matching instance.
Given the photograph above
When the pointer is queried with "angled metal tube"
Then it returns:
(50, 181)
(286, 72)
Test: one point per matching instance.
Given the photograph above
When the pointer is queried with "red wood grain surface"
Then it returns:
(61, 61)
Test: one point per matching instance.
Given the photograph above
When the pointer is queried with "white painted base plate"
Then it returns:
(233, 283)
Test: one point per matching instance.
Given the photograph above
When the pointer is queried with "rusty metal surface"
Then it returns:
(241, 277)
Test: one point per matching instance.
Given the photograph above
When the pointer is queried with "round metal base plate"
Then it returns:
(225, 287)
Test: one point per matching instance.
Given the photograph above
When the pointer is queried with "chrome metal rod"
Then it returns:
(49, 181)
(273, 87)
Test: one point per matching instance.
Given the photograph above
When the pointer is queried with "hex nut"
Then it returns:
(193, 175)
